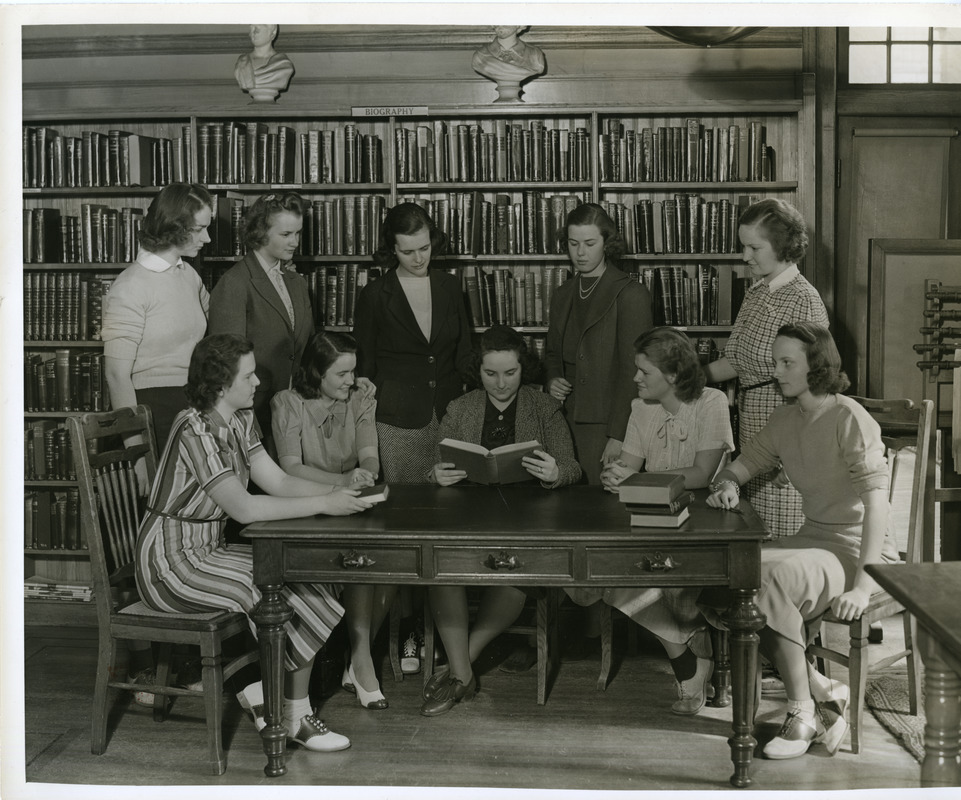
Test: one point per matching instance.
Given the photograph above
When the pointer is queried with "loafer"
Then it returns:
(692, 693)
(251, 700)
(793, 739)
(440, 678)
(312, 733)
(448, 695)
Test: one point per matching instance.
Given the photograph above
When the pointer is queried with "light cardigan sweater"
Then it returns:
(154, 314)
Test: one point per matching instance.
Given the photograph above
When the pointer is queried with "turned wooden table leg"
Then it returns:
(270, 615)
(743, 620)
(942, 711)
(721, 679)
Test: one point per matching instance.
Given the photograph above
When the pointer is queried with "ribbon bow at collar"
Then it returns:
(674, 426)
(336, 414)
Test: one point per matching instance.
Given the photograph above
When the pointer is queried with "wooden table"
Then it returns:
(932, 592)
(520, 535)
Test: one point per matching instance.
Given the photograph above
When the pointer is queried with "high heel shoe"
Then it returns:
(375, 701)
(446, 697)
(345, 681)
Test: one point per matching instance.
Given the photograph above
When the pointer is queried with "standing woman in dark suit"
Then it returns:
(589, 353)
(413, 341)
(263, 298)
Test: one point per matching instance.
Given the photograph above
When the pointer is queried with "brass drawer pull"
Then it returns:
(657, 563)
(355, 560)
(502, 561)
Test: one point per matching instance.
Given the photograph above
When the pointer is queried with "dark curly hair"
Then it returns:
(406, 219)
(170, 216)
(259, 217)
(593, 214)
(213, 367)
(825, 375)
(322, 350)
(501, 338)
(673, 353)
(784, 226)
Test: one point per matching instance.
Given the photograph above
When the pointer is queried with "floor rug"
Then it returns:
(887, 698)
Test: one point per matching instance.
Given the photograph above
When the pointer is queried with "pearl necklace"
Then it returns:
(580, 287)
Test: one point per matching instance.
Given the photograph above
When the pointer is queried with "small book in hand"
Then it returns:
(500, 465)
(376, 493)
(646, 488)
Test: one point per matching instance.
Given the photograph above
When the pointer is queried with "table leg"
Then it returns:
(269, 615)
(743, 620)
(942, 712)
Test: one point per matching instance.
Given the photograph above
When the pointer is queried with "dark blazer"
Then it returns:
(414, 376)
(539, 417)
(620, 312)
(245, 301)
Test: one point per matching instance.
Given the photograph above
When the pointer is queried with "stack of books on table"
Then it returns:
(49, 589)
(656, 499)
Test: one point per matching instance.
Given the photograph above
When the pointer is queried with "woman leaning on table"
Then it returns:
(676, 425)
(505, 410)
(324, 431)
(831, 450)
(589, 352)
(182, 561)
(774, 239)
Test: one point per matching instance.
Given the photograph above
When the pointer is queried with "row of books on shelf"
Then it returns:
(97, 158)
(688, 152)
(65, 379)
(51, 519)
(520, 297)
(99, 234)
(47, 455)
(64, 306)
(509, 151)
(250, 152)
(712, 296)
(38, 587)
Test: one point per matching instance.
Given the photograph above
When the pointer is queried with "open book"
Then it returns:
(500, 465)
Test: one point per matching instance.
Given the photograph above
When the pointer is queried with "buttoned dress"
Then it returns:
(182, 560)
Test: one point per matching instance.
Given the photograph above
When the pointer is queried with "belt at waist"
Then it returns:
(182, 519)
(768, 382)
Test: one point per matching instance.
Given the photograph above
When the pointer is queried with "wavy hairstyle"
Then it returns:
(824, 361)
(503, 338)
(259, 217)
(322, 350)
(673, 353)
(213, 367)
(406, 219)
(170, 216)
(593, 214)
(785, 227)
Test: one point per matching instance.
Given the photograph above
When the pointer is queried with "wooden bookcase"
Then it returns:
(421, 157)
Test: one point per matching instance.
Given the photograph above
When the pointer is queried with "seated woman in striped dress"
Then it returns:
(182, 562)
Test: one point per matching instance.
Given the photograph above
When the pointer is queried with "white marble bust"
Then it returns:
(263, 72)
(508, 61)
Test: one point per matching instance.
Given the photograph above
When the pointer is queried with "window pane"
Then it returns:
(867, 63)
(947, 34)
(867, 34)
(947, 63)
(909, 34)
(909, 63)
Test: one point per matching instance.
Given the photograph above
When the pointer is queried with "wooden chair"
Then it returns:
(903, 424)
(110, 516)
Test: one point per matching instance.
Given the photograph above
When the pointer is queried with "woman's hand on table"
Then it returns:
(446, 474)
(614, 474)
(851, 605)
(360, 477)
(342, 501)
(541, 465)
(725, 497)
(559, 388)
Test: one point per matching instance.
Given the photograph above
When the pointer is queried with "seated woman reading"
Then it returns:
(324, 431)
(676, 425)
(182, 561)
(831, 450)
(504, 411)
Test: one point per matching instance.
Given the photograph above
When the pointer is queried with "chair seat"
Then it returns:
(141, 614)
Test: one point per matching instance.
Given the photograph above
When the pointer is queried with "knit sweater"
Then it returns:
(155, 318)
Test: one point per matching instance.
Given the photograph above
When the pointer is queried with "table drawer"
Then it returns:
(686, 565)
(474, 561)
(335, 562)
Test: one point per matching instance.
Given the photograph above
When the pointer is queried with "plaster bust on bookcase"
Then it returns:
(508, 61)
(263, 72)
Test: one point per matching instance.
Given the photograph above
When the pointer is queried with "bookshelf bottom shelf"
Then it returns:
(59, 612)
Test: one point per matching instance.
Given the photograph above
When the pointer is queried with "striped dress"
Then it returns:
(749, 352)
(182, 561)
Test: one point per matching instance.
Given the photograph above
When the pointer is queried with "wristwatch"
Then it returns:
(716, 487)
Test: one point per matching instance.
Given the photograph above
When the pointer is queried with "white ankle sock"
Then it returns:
(296, 710)
(804, 707)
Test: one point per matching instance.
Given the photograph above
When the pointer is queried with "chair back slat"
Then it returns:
(110, 506)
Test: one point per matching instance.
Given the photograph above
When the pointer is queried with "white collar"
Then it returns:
(784, 278)
(275, 267)
(155, 263)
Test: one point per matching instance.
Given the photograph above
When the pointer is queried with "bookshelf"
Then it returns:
(498, 180)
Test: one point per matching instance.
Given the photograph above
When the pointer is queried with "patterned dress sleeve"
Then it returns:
(714, 422)
(365, 409)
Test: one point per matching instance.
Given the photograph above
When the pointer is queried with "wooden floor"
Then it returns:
(622, 739)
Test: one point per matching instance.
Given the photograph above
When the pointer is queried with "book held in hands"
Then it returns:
(377, 493)
(500, 465)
